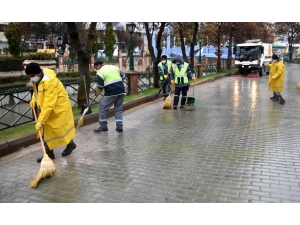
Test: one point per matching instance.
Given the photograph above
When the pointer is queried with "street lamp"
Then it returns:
(200, 39)
(131, 27)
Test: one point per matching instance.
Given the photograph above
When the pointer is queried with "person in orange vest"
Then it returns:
(180, 75)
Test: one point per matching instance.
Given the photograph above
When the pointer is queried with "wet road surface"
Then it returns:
(235, 146)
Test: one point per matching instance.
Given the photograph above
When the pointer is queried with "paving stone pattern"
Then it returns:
(235, 146)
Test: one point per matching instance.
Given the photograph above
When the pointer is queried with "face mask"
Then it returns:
(163, 61)
(178, 63)
(274, 60)
(34, 79)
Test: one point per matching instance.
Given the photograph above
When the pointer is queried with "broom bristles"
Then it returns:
(80, 120)
(47, 169)
(168, 103)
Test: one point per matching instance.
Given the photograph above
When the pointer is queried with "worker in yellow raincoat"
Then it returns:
(55, 119)
(276, 77)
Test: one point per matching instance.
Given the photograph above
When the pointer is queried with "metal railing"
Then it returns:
(14, 102)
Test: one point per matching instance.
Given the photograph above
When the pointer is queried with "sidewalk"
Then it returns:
(236, 146)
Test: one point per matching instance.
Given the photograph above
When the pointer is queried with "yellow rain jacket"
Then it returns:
(55, 110)
(276, 77)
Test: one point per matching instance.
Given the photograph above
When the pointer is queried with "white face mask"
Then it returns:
(163, 61)
(178, 63)
(34, 79)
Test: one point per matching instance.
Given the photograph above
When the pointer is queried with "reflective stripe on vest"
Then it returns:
(162, 69)
(181, 76)
(110, 74)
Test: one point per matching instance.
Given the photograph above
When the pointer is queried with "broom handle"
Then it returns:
(40, 135)
(95, 98)
(86, 95)
(194, 88)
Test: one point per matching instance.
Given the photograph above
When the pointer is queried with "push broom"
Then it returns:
(47, 166)
(80, 120)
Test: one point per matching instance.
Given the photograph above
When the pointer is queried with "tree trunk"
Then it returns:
(192, 53)
(83, 57)
(229, 58)
(182, 43)
(155, 59)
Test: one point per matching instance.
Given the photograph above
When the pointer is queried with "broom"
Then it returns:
(160, 89)
(47, 166)
(168, 102)
(80, 120)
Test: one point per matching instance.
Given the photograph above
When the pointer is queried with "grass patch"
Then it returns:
(26, 129)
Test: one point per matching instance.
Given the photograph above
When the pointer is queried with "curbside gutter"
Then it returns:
(17, 144)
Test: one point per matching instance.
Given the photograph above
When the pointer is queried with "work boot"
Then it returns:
(174, 107)
(100, 129)
(273, 96)
(182, 106)
(276, 98)
(68, 150)
(49, 152)
(119, 130)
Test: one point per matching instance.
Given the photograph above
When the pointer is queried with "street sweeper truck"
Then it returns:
(251, 57)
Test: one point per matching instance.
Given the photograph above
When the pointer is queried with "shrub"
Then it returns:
(40, 56)
(10, 64)
(14, 79)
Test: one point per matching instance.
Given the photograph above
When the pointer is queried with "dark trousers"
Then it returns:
(183, 91)
(166, 88)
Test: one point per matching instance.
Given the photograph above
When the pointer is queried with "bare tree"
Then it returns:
(155, 59)
(192, 52)
(83, 56)
(288, 31)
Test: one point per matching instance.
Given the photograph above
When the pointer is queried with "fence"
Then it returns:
(14, 102)
(15, 110)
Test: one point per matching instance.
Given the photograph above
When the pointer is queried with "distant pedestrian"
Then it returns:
(180, 74)
(164, 69)
(55, 118)
(110, 78)
(276, 77)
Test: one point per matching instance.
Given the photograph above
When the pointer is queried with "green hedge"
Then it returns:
(73, 74)
(25, 79)
(11, 64)
(15, 64)
(14, 79)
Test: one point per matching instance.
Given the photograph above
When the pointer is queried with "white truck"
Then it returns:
(252, 56)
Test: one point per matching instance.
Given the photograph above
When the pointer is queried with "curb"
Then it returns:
(17, 144)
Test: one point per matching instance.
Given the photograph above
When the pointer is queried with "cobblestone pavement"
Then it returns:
(235, 146)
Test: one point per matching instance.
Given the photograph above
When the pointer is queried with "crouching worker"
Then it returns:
(55, 119)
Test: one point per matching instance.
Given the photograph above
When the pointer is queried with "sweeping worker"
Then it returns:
(110, 79)
(276, 77)
(164, 69)
(180, 75)
(55, 119)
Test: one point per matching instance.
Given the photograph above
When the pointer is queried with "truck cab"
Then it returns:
(251, 56)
